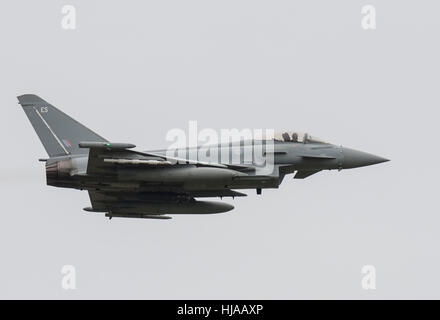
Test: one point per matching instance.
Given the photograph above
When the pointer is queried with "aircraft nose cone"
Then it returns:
(354, 159)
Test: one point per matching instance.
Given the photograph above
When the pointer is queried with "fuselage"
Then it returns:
(242, 173)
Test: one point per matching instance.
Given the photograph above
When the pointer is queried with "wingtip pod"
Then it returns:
(106, 145)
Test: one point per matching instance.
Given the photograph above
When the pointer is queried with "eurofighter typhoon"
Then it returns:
(122, 182)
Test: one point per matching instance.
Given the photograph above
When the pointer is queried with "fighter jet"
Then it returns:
(126, 183)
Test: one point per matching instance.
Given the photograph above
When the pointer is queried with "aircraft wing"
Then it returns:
(103, 156)
(124, 206)
(175, 160)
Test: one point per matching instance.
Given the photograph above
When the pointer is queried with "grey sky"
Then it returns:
(154, 66)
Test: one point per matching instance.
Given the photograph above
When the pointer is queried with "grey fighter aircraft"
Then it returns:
(122, 182)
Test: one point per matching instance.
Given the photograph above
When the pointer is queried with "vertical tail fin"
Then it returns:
(59, 133)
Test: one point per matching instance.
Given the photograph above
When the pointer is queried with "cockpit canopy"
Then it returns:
(293, 136)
